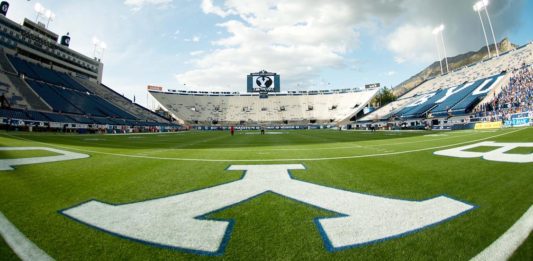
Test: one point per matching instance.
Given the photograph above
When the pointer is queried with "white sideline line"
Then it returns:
(506, 244)
(20, 244)
(270, 160)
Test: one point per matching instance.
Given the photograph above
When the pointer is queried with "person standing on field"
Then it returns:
(232, 130)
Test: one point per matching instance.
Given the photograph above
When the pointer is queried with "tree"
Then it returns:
(383, 97)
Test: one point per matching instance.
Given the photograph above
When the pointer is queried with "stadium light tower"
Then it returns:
(435, 32)
(99, 47)
(39, 9)
(478, 7)
(103, 46)
(95, 41)
(483, 4)
(439, 30)
(51, 16)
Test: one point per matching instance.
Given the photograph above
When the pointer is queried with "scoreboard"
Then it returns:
(263, 82)
(372, 86)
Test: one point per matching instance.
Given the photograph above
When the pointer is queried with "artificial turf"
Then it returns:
(131, 168)
(15, 154)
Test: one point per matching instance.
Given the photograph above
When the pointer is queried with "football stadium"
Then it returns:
(437, 167)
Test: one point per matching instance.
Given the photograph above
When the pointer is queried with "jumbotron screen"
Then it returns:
(263, 81)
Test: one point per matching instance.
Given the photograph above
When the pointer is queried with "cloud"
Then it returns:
(286, 37)
(209, 7)
(194, 39)
(196, 53)
(136, 5)
(412, 41)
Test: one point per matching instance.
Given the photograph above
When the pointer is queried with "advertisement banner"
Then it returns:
(518, 122)
(155, 88)
(488, 125)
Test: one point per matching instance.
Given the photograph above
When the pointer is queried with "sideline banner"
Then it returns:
(517, 122)
(488, 125)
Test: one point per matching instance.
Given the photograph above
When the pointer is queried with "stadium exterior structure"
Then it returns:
(444, 102)
(45, 85)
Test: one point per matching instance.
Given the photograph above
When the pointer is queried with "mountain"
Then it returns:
(453, 63)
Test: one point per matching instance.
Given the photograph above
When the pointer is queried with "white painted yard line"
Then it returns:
(506, 244)
(274, 160)
(21, 245)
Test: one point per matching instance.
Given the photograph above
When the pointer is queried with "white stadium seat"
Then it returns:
(330, 107)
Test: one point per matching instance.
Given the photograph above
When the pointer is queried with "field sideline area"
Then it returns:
(40, 199)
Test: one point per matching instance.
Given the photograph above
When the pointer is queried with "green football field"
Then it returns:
(127, 169)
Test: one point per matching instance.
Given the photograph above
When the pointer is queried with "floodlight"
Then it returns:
(438, 29)
(95, 40)
(49, 14)
(478, 7)
(39, 8)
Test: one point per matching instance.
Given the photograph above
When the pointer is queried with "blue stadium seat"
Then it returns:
(51, 97)
(58, 117)
(37, 116)
(444, 108)
(466, 105)
(14, 114)
(422, 107)
(37, 72)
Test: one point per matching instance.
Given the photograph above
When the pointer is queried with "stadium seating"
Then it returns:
(421, 105)
(456, 94)
(18, 93)
(66, 94)
(63, 93)
(38, 72)
(330, 107)
(14, 114)
(58, 103)
(37, 116)
(455, 101)
(474, 72)
(58, 117)
(470, 101)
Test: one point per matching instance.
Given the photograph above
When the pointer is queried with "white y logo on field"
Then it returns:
(497, 154)
(6, 164)
(178, 221)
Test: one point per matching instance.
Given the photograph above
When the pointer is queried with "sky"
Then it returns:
(211, 45)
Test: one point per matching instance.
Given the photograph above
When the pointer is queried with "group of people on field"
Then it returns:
(232, 130)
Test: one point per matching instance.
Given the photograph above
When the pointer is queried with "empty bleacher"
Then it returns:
(63, 93)
(38, 72)
(108, 94)
(37, 93)
(329, 107)
(19, 94)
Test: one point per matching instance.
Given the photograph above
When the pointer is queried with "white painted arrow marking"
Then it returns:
(6, 164)
(176, 221)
